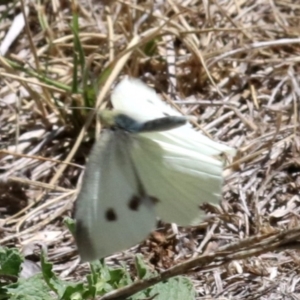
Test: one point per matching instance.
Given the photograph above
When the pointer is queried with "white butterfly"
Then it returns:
(149, 163)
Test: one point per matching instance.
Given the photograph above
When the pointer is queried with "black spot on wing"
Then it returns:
(111, 215)
(134, 203)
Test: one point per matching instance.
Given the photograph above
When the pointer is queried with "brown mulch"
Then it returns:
(234, 64)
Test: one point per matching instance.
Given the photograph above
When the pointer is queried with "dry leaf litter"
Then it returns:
(233, 64)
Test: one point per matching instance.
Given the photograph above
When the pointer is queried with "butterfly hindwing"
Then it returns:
(180, 179)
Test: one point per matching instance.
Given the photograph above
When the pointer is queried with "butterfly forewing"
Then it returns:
(133, 96)
(113, 212)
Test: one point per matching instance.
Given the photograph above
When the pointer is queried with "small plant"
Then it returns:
(101, 280)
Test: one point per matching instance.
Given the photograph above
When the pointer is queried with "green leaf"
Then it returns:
(54, 283)
(176, 288)
(74, 291)
(150, 47)
(78, 49)
(33, 288)
(10, 261)
(70, 224)
(65, 290)
(104, 76)
(98, 279)
(143, 270)
(104, 279)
